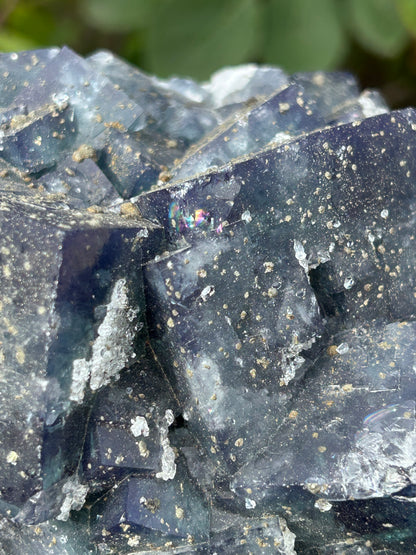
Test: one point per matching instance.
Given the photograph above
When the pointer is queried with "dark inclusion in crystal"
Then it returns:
(207, 312)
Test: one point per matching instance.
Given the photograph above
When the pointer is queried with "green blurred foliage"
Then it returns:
(206, 36)
(374, 38)
(302, 35)
(407, 12)
(122, 16)
(377, 26)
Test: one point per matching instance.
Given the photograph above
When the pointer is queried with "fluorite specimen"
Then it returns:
(207, 312)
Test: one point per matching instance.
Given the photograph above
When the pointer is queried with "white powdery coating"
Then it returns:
(139, 426)
(280, 138)
(292, 360)
(300, 255)
(387, 475)
(143, 233)
(323, 505)
(168, 471)
(112, 349)
(369, 105)
(246, 216)
(75, 494)
(382, 461)
(227, 81)
(80, 377)
(287, 546)
(250, 503)
(240, 83)
(310, 262)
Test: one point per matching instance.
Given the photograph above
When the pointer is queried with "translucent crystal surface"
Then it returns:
(207, 312)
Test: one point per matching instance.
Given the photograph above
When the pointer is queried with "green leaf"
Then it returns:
(303, 35)
(11, 41)
(117, 16)
(377, 27)
(32, 21)
(67, 33)
(407, 13)
(132, 48)
(191, 37)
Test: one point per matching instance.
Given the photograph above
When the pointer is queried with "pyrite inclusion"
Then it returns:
(207, 307)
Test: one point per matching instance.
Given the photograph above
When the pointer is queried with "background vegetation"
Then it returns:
(375, 39)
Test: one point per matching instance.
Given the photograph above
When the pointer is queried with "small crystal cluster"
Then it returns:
(207, 312)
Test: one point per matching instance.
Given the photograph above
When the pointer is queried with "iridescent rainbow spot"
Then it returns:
(374, 417)
(180, 221)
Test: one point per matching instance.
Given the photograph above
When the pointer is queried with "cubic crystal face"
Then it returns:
(207, 311)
